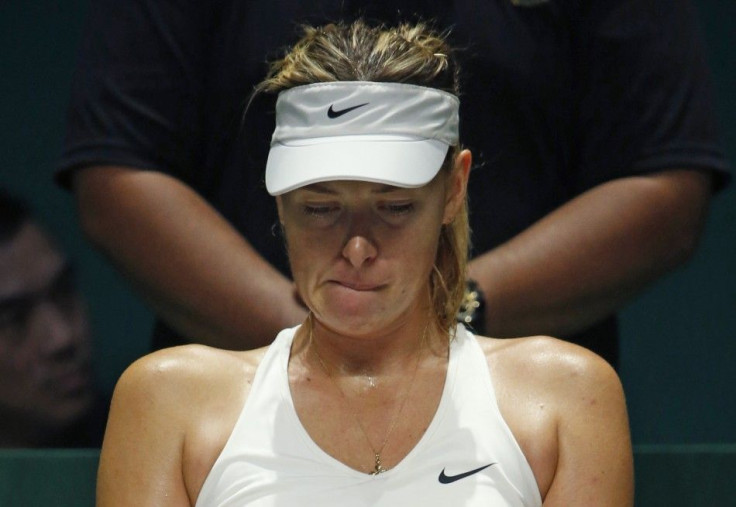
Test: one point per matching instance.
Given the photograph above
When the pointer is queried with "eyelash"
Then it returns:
(400, 209)
(318, 211)
(393, 209)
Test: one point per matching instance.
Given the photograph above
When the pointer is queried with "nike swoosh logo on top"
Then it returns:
(331, 113)
(447, 479)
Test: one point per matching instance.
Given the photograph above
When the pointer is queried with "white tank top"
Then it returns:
(467, 457)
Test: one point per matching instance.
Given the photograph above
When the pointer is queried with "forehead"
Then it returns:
(28, 261)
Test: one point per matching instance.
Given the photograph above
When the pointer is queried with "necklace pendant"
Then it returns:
(378, 469)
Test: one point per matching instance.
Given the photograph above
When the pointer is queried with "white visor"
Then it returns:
(392, 133)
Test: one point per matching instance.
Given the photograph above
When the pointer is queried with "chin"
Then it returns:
(71, 408)
(357, 321)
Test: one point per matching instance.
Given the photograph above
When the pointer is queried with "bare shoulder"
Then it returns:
(557, 366)
(189, 371)
(171, 414)
(556, 397)
(180, 385)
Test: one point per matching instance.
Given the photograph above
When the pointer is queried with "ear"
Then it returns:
(457, 185)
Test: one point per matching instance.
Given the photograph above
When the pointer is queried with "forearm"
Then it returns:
(196, 271)
(586, 259)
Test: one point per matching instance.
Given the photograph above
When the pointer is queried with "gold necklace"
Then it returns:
(378, 467)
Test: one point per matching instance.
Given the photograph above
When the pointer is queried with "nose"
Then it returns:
(56, 328)
(359, 251)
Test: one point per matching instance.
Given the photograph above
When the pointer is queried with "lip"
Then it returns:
(358, 286)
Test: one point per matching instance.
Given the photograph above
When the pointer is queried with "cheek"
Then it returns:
(427, 233)
(416, 250)
(15, 364)
(307, 251)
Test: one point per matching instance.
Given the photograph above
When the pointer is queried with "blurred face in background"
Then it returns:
(45, 352)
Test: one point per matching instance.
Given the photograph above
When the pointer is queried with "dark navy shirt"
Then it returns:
(558, 96)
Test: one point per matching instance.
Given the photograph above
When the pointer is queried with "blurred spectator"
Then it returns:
(47, 394)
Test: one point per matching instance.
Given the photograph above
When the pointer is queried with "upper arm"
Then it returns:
(137, 88)
(171, 414)
(595, 463)
(646, 103)
(112, 199)
(141, 458)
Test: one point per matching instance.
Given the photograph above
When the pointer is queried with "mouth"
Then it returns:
(358, 286)
(72, 380)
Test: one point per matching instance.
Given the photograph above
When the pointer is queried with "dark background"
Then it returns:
(678, 339)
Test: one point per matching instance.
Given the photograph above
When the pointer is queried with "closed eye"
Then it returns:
(318, 211)
(399, 208)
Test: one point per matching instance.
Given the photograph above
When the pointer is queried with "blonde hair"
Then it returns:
(413, 54)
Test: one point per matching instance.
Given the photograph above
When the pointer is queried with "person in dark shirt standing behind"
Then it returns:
(592, 125)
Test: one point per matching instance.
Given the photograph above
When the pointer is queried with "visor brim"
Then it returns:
(400, 163)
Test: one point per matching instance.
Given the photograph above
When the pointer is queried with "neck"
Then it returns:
(375, 355)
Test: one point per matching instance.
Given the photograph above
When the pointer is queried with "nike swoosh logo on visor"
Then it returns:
(332, 113)
(447, 479)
